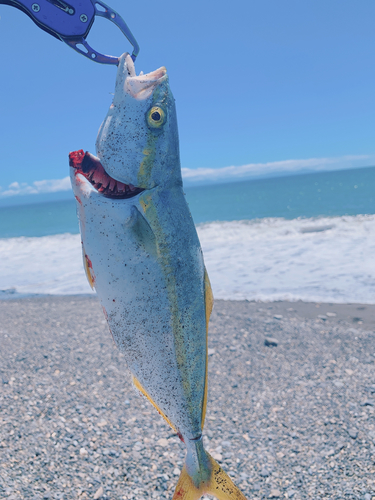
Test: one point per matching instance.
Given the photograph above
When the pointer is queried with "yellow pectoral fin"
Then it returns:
(219, 485)
(138, 385)
(209, 303)
(88, 268)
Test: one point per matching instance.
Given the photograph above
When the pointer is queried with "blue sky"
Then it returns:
(261, 88)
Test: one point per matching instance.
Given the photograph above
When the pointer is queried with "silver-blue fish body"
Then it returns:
(144, 251)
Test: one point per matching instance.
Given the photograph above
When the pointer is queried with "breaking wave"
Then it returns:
(317, 259)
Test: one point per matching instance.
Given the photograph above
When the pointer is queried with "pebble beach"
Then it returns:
(291, 409)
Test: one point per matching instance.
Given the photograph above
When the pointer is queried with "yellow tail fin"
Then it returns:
(219, 485)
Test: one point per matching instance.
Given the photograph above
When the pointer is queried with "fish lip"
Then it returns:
(152, 77)
(155, 75)
(89, 167)
(141, 86)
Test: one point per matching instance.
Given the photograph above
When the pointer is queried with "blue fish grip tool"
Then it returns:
(71, 21)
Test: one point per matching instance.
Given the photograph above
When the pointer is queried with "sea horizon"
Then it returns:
(313, 194)
(31, 199)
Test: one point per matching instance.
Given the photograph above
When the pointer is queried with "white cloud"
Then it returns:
(276, 167)
(231, 173)
(37, 187)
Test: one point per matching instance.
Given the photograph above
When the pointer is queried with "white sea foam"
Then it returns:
(324, 260)
(46, 265)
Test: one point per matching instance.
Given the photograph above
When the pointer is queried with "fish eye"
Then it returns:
(156, 117)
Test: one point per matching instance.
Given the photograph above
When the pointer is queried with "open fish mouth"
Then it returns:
(90, 167)
(142, 86)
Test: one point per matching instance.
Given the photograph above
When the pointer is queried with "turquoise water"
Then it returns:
(346, 192)
(39, 219)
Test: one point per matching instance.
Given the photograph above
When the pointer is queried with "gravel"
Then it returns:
(292, 420)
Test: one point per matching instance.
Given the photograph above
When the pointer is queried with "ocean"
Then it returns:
(304, 237)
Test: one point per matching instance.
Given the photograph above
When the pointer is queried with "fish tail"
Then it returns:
(218, 484)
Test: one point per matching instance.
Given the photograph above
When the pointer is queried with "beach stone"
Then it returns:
(264, 472)
(274, 494)
(162, 442)
(368, 402)
(340, 445)
(353, 433)
(99, 493)
(270, 342)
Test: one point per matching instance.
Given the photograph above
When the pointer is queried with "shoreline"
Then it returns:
(292, 420)
(361, 315)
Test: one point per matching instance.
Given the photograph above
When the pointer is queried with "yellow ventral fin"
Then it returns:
(138, 385)
(209, 303)
(219, 485)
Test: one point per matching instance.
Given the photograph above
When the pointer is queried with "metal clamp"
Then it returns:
(81, 46)
(71, 21)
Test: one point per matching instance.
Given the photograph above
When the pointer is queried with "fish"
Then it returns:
(142, 255)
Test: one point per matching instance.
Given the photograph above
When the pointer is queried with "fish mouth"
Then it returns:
(141, 86)
(90, 167)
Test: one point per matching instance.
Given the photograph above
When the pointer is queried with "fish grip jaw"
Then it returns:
(81, 45)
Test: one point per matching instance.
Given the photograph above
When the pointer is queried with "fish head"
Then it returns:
(137, 142)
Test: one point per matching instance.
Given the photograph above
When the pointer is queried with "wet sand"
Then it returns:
(290, 414)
